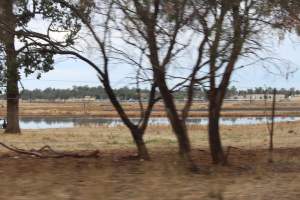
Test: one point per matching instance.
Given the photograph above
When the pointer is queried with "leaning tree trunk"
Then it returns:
(159, 72)
(214, 132)
(136, 133)
(178, 125)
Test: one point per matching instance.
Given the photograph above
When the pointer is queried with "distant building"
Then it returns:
(279, 97)
(237, 97)
(85, 99)
(294, 98)
(89, 98)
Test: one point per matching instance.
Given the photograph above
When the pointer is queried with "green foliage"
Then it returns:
(123, 93)
(126, 93)
(32, 56)
(35, 62)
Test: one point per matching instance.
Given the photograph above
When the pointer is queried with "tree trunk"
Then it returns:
(182, 136)
(178, 126)
(214, 133)
(159, 73)
(12, 92)
(136, 133)
(140, 144)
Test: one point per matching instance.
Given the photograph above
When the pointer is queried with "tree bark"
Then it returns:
(12, 92)
(178, 125)
(150, 20)
(214, 132)
(136, 132)
(140, 144)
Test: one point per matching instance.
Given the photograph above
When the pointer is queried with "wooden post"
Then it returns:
(271, 145)
(84, 107)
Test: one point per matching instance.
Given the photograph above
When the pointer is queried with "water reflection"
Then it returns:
(63, 122)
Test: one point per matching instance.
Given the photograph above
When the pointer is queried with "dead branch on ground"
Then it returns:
(48, 152)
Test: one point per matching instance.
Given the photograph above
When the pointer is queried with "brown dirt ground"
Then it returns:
(115, 176)
(248, 176)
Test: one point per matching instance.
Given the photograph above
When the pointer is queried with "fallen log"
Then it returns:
(48, 152)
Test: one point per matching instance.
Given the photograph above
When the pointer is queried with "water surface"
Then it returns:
(70, 122)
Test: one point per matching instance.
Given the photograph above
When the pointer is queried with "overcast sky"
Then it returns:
(69, 72)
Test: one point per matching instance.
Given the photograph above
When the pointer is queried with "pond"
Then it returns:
(70, 122)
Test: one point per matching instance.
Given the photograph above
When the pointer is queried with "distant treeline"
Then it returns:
(78, 92)
(233, 91)
(126, 93)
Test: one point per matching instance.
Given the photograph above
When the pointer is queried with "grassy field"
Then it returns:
(110, 138)
(114, 176)
(104, 109)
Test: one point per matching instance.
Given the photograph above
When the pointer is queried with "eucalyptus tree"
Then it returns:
(19, 43)
(161, 29)
(234, 30)
(285, 15)
(99, 31)
(226, 31)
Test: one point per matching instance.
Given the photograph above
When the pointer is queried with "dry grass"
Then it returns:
(104, 109)
(104, 137)
(111, 177)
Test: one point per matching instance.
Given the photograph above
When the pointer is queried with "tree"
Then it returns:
(155, 28)
(15, 17)
(8, 41)
(232, 27)
(98, 26)
(234, 30)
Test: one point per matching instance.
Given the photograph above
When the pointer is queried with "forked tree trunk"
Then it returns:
(214, 133)
(182, 137)
(140, 144)
(159, 74)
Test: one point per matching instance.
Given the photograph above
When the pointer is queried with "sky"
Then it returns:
(69, 72)
(258, 74)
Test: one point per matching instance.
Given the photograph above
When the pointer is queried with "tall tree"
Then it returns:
(235, 29)
(98, 27)
(12, 73)
(161, 30)
(229, 27)
(15, 19)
